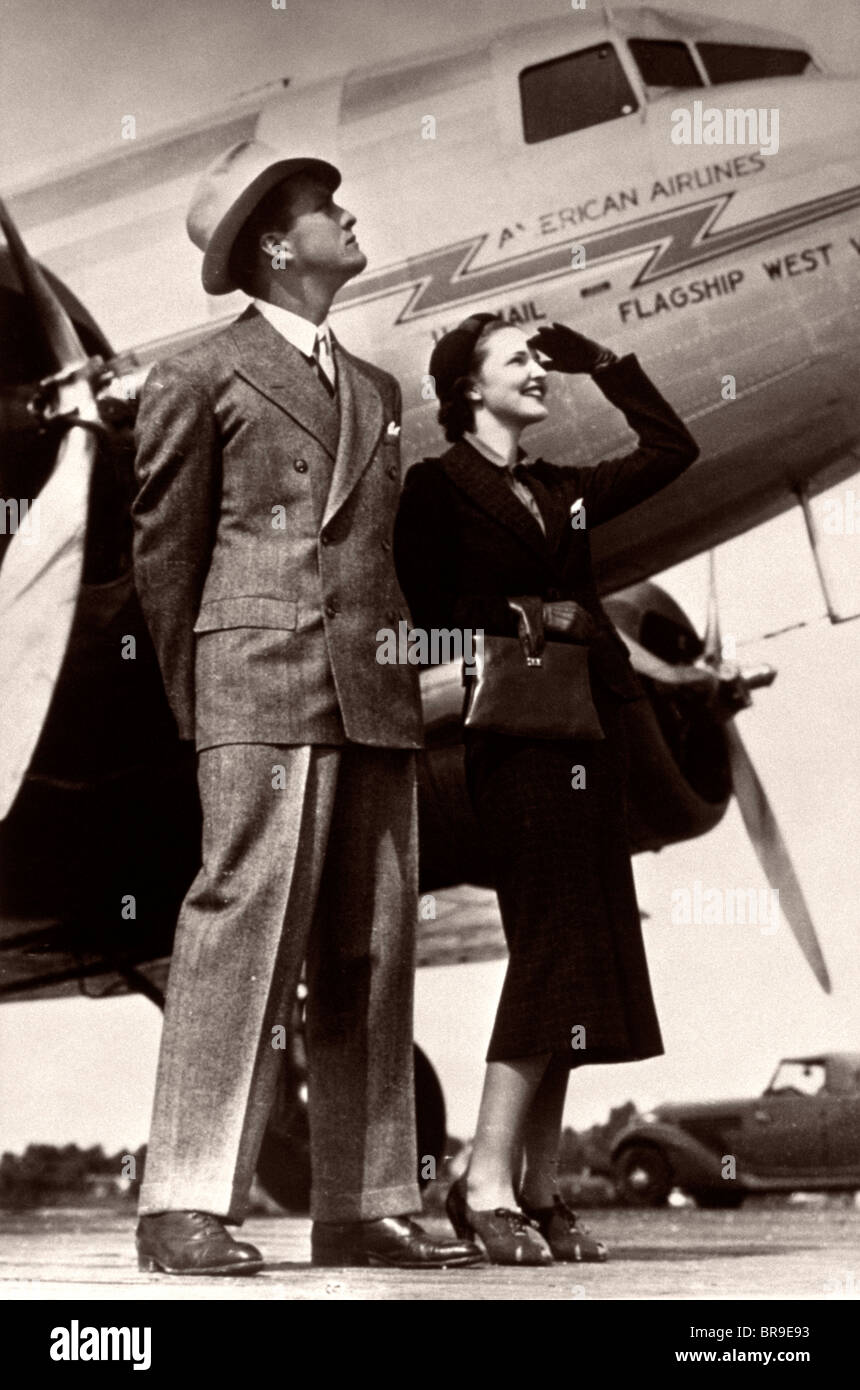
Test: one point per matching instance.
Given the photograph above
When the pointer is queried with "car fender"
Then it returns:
(692, 1163)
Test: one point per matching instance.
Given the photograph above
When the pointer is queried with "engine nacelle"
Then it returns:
(108, 809)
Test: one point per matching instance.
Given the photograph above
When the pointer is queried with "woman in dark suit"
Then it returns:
(477, 526)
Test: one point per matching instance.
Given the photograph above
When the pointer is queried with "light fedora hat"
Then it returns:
(227, 194)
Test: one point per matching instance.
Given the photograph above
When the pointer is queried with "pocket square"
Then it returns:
(576, 506)
(393, 431)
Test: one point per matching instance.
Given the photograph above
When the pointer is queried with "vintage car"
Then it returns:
(802, 1134)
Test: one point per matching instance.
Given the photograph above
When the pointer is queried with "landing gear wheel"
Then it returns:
(643, 1176)
(284, 1164)
(431, 1123)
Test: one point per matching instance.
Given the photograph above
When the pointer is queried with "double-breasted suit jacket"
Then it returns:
(263, 544)
(263, 550)
(464, 544)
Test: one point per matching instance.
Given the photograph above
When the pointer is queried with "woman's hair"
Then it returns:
(456, 411)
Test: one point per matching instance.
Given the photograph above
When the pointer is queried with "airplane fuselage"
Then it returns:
(734, 274)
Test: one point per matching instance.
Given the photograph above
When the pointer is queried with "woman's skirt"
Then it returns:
(553, 817)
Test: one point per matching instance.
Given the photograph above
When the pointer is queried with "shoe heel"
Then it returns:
(148, 1264)
(455, 1210)
(462, 1229)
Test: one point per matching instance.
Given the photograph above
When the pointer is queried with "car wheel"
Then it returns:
(643, 1176)
(713, 1199)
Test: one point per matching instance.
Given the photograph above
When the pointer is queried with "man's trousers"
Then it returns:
(309, 853)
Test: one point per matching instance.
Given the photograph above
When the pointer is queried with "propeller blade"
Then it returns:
(41, 575)
(59, 332)
(39, 585)
(713, 653)
(772, 853)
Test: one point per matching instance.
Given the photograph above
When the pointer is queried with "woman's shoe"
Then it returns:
(508, 1237)
(565, 1237)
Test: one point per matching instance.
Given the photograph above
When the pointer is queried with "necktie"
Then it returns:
(518, 477)
(324, 362)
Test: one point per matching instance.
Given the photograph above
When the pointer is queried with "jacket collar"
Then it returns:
(276, 368)
(483, 482)
(297, 330)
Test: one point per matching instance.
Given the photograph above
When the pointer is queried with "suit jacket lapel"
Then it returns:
(277, 369)
(361, 421)
(483, 482)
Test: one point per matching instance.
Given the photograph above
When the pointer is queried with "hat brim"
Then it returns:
(215, 271)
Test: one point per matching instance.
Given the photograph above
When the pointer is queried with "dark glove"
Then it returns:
(568, 350)
(529, 611)
(569, 617)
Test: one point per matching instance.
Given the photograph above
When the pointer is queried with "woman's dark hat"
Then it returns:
(450, 358)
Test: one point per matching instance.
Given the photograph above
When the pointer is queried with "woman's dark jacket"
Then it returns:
(463, 541)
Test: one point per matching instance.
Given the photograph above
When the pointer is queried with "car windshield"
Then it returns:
(799, 1078)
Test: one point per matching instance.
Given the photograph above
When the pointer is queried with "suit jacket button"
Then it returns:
(325, 538)
(331, 610)
(300, 466)
(393, 470)
(386, 545)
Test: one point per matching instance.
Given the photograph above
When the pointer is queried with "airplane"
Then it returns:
(531, 173)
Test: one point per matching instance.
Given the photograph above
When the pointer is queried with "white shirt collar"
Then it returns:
(490, 453)
(297, 330)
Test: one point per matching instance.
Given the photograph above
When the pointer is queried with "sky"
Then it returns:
(71, 70)
(731, 1000)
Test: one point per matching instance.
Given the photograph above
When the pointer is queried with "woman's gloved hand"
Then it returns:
(570, 351)
(569, 617)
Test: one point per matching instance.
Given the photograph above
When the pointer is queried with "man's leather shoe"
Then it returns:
(192, 1242)
(396, 1241)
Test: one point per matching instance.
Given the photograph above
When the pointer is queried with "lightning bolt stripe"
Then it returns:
(676, 240)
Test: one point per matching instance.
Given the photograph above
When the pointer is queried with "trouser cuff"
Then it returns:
(365, 1206)
(219, 1200)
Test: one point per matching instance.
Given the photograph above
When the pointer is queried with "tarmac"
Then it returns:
(759, 1252)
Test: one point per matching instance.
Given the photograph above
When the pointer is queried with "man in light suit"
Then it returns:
(268, 471)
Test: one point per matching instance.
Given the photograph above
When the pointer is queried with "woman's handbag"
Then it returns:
(531, 688)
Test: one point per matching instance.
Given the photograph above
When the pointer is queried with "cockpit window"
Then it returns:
(738, 62)
(571, 93)
(664, 64)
